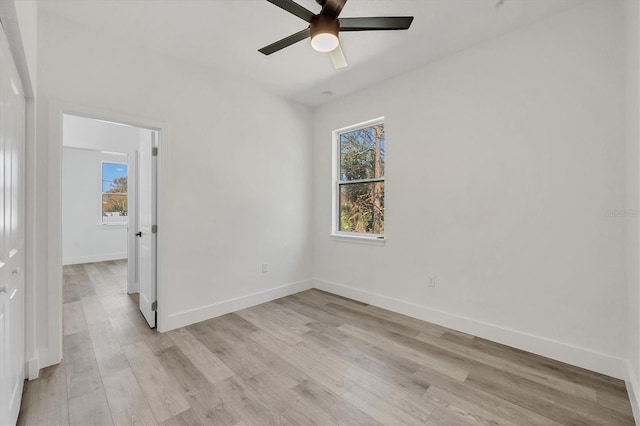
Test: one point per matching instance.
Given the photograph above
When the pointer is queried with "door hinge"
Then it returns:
(154, 229)
(154, 151)
(154, 306)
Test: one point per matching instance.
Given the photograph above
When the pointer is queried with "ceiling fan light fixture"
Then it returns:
(324, 33)
(324, 42)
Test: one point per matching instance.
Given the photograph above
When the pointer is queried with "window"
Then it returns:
(115, 206)
(359, 187)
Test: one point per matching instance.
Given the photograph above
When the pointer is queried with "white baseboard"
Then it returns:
(203, 313)
(43, 359)
(632, 389)
(93, 258)
(595, 361)
(33, 368)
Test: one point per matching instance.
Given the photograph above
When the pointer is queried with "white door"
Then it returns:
(12, 125)
(146, 229)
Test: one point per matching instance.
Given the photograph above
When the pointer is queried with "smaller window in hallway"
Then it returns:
(359, 200)
(115, 206)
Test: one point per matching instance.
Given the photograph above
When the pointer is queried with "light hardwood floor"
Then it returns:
(310, 358)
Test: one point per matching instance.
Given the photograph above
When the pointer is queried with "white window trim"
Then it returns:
(101, 224)
(336, 235)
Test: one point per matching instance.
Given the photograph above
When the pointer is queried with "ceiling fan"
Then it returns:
(325, 26)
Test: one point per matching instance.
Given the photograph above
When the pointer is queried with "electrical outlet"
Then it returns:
(432, 281)
(264, 267)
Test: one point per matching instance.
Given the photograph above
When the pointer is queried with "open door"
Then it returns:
(146, 224)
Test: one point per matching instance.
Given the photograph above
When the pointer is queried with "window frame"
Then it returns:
(336, 233)
(102, 194)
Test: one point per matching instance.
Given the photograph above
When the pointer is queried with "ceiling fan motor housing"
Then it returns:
(322, 25)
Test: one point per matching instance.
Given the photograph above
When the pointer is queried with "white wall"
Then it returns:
(84, 238)
(234, 180)
(19, 20)
(27, 15)
(632, 13)
(501, 163)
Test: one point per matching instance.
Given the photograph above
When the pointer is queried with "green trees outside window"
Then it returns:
(361, 180)
(115, 207)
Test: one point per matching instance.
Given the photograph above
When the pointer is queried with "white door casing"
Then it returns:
(146, 229)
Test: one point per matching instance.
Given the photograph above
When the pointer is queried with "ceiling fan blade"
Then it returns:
(337, 57)
(294, 8)
(375, 24)
(332, 7)
(285, 42)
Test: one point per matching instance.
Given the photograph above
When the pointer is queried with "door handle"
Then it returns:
(139, 234)
(3, 289)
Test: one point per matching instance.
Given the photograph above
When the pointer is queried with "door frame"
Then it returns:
(54, 111)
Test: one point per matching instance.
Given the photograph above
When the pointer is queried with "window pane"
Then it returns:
(362, 153)
(115, 208)
(362, 207)
(114, 178)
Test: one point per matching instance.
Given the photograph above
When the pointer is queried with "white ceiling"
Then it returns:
(225, 35)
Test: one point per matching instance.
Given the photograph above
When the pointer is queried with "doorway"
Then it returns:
(109, 182)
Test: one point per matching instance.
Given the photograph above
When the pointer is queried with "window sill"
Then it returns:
(113, 225)
(372, 241)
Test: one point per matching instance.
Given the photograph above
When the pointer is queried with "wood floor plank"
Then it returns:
(282, 331)
(447, 367)
(615, 401)
(510, 413)
(372, 349)
(292, 407)
(241, 362)
(552, 367)
(77, 287)
(378, 408)
(368, 321)
(203, 397)
(107, 349)
(442, 417)
(536, 397)
(309, 310)
(94, 312)
(481, 358)
(286, 374)
(231, 327)
(126, 330)
(465, 409)
(73, 318)
(202, 358)
(381, 386)
(46, 400)
(341, 411)
(126, 400)
(80, 364)
(186, 418)
(312, 367)
(248, 405)
(90, 409)
(162, 393)
(399, 372)
(280, 315)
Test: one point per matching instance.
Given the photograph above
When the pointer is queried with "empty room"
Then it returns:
(319, 212)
